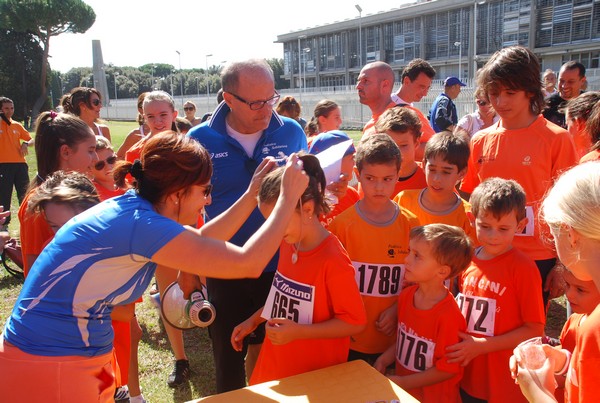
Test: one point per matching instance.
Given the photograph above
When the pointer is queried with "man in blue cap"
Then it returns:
(442, 114)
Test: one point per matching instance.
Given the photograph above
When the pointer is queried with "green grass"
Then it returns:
(155, 356)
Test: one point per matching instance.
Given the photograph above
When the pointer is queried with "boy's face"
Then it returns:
(496, 235)
(511, 105)
(407, 144)
(420, 264)
(378, 181)
(442, 176)
(582, 295)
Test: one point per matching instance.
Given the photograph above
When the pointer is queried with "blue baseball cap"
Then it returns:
(328, 139)
(450, 81)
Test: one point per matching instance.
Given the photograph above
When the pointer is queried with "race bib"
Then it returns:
(413, 352)
(479, 313)
(528, 230)
(378, 280)
(290, 299)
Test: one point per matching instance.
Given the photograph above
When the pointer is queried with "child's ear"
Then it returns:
(462, 173)
(521, 225)
(64, 151)
(444, 271)
(356, 172)
(308, 209)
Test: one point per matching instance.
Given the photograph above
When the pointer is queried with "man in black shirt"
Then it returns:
(571, 81)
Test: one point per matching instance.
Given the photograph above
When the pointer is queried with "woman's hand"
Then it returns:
(263, 168)
(295, 180)
(188, 283)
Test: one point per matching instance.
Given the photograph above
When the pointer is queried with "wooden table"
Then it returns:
(354, 381)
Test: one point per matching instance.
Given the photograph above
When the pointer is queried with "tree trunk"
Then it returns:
(41, 100)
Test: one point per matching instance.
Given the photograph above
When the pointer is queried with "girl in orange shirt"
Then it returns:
(314, 305)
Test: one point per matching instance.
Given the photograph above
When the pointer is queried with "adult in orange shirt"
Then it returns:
(14, 140)
(522, 146)
(416, 80)
(62, 142)
(313, 306)
(374, 86)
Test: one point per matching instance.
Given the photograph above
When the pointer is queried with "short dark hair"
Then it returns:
(5, 100)
(581, 106)
(449, 245)
(498, 197)
(515, 68)
(377, 149)
(399, 119)
(416, 67)
(572, 65)
(454, 149)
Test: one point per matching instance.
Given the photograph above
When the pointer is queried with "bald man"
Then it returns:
(374, 86)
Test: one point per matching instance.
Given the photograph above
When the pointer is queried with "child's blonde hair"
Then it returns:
(449, 245)
(102, 143)
(574, 200)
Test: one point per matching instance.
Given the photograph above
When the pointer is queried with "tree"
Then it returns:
(44, 19)
(20, 64)
(277, 67)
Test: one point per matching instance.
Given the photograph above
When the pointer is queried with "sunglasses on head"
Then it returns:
(188, 108)
(101, 164)
(96, 102)
(482, 103)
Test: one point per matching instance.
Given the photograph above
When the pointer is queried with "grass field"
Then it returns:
(155, 355)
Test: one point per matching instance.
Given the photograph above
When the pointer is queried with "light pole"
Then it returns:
(300, 61)
(359, 9)
(180, 78)
(305, 52)
(116, 96)
(198, 87)
(459, 45)
(172, 76)
(207, 85)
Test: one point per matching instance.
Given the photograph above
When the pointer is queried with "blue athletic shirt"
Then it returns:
(233, 168)
(99, 259)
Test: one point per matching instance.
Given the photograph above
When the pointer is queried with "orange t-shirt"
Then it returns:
(457, 216)
(423, 336)
(426, 129)
(326, 275)
(497, 296)
(349, 199)
(370, 126)
(10, 141)
(35, 232)
(568, 341)
(534, 156)
(135, 152)
(582, 376)
(105, 193)
(377, 252)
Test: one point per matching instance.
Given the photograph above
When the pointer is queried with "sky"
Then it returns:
(137, 32)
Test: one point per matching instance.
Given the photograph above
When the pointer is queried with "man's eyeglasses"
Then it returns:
(482, 103)
(188, 108)
(101, 164)
(256, 105)
(208, 189)
(96, 102)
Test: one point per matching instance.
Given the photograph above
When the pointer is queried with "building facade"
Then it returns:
(455, 36)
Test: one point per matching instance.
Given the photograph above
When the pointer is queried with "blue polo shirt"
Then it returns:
(233, 168)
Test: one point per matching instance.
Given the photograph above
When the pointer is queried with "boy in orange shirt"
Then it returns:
(445, 158)
(522, 146)
(428, 318)
(500, 295)
(404, 127)
(375, 232)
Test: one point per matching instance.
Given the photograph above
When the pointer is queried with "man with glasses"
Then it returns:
(242, 131)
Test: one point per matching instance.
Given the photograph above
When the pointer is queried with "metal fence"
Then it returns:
(354, 114)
